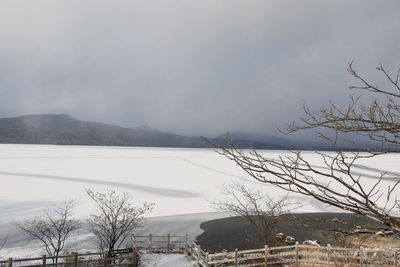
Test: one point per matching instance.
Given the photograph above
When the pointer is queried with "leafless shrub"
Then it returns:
(261, 211)
(2, 244)
(115, 218)
(52, 229)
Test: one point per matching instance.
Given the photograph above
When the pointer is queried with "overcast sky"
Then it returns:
(190, 67)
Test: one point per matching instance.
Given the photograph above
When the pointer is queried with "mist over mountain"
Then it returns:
(65, 130)
(286, 142)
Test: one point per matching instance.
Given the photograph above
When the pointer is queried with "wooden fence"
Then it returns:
(120, 257)
(302, 255)
(295, 255)
(161, 243)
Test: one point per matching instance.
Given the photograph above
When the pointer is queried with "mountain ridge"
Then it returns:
(63, 129)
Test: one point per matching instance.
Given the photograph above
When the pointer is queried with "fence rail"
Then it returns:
(301, 255)
(119, 257)
(161, 243)
(295, 255)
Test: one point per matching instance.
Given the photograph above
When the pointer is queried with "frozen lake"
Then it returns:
(178, 181)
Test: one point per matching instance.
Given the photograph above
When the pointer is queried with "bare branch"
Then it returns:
(52, 229)
(262, 212)
(115, 218)
(336, 182)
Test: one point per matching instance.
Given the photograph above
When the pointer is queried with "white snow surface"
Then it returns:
(179, 224)
(17, 246)
(166, 260)
(179, 181)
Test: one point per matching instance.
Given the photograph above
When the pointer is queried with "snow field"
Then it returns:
(181, 183)
(178, 181)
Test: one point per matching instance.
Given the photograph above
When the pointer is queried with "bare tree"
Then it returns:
(52, 229)
(336, 181)
(116, 217)
(262, 212)
(2, 243)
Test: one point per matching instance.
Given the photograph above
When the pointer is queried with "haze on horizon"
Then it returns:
(189, 67)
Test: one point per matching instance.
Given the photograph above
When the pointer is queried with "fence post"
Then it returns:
(105, 258)
(236, 258)
(10, 261)
(328, 251)
(296, 247)
(75, 259)
(361, 257)
(44, 261)
(207, 258)
(133, 240)
(150, 243)
(186, 243)
(134, 258)
(191, 249)
(198, 255)
(266, 254)
(396, 257)
(168, 243)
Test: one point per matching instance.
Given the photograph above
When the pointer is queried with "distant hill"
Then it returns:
(66, 130)
(281, 142)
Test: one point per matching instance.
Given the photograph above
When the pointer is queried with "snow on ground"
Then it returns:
(166, 260)
(18, 246)
(179, 181)
(179, 224)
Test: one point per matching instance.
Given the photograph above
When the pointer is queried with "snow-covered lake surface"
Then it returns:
(179, 181)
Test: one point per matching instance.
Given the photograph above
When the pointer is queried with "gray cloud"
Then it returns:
(192, 67)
